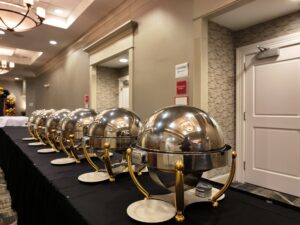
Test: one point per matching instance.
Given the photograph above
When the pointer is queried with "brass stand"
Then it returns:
(133, 177)
(179, 186)
(38, 136)
(50, 142)
(62, 146)
(107, 163)
(30, 132)
(179, 192)
(88, 158)
(73, 148)
(228, 181)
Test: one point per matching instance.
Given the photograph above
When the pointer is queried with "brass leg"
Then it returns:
(88, 158)
(107, 162)
(54, 139)
(227, 183)
(30, 132)
(50, 142)
(72, 148)
(179, 192)
(133, 177)
(63, 147)
(38, 137)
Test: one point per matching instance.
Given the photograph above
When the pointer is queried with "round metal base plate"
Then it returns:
(36, 144)
(151, 211)
(28, 139)
(62, 161)
(46, 150)
(93, 177)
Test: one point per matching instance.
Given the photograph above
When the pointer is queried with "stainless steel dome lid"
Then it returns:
(78, 117)
(77, 121)
(181, 129)
(53, 120)
(43, 116)
(115, 122)
(34, 115)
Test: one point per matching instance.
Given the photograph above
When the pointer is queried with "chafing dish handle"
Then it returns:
(133, 177)
(228, 181)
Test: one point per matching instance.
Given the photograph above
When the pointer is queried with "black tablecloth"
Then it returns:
(46, 194)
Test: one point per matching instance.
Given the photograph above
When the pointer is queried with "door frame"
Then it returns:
(121, 80)
(241, 54)
(113, 43)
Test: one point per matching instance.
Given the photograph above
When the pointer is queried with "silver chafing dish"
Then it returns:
(50, 130)
(113, 130)
(40, 124)
(31, 123)
(72, 129)
(178, 144)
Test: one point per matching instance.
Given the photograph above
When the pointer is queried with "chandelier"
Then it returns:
(6, 66)
(19, 18)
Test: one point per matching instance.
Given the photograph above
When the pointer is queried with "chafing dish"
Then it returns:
(71, 130)
(178, 144)
(113, 130)
(40, 123)
(50, 129)
(31, 123)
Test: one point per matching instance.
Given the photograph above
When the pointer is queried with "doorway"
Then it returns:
(264, 105)
(112, 85)
(271, 108)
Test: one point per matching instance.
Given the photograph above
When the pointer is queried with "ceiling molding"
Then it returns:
(126, 28)
(101, 29)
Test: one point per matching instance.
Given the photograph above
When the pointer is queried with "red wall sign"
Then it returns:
(86, 101)
(181, 87)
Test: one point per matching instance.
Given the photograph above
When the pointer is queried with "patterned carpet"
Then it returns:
(7, 215)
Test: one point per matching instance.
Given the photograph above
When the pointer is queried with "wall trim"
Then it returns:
(241, 54)
(117, 41)
(126, 28)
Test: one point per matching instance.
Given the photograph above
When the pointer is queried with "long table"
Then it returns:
(45, 194)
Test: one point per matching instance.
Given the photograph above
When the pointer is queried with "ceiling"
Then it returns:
(255, 12)
(80, 15)
(115, 61)
(77, 18)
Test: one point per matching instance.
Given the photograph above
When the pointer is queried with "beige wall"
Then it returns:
(30, 96)
(68, 83)
(163, 39)
(15, 87)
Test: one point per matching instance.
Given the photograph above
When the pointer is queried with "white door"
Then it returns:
(124, 92)
(272, 125)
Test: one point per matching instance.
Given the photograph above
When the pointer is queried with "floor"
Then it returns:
(9, 217)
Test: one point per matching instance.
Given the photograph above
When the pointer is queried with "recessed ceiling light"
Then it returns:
(53, 42)
(123, 60)
(17, 78)
(58, 12)
(2, 32)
